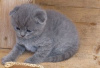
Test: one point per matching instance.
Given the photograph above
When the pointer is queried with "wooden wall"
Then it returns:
(84, 13)
(7, 35)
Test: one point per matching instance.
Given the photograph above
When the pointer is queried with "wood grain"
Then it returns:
(71, 3)
(84, 15)
(7, 35)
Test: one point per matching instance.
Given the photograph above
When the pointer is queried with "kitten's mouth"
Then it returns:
(21, 37)
(25, 37)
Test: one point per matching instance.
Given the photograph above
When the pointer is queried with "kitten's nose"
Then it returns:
(22, 34)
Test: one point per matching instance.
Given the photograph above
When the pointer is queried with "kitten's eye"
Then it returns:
(28, 31)
(17, 28)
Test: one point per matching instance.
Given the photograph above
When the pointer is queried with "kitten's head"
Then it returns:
(28, 20)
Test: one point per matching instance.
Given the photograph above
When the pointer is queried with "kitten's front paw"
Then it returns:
(6, 59)
(31, 60)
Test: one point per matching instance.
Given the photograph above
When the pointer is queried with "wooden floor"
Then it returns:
(83, 59)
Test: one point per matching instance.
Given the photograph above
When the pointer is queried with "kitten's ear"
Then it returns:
(40, 16)
(14, 10)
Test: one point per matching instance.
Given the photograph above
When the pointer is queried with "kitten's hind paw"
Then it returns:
(31, 60)
(27, 61)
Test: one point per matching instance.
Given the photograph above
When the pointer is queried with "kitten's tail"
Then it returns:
(57, 58)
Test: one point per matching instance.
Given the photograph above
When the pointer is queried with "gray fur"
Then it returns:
(49, 34)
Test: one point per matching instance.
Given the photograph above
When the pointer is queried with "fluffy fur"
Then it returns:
(49, 34)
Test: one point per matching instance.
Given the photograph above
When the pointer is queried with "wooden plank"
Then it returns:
(71, 3)
(7, 35)
(83, 15)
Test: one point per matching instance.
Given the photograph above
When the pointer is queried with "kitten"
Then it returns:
(49, 34)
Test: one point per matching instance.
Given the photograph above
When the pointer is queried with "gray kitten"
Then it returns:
(49, 34)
